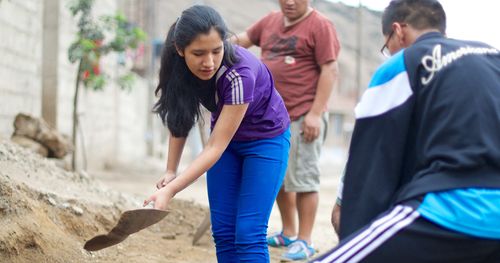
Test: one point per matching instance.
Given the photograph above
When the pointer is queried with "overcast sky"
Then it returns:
(466, 19)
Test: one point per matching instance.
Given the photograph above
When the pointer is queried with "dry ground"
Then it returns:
(139, 179)
(47, 214)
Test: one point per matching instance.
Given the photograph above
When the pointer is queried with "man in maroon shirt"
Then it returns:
(300, 47)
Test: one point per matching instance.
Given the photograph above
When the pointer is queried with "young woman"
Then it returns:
(247, 152)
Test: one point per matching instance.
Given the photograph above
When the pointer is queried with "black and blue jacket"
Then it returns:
(429, 121)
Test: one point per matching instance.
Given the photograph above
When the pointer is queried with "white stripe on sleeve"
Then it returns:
(385, 97)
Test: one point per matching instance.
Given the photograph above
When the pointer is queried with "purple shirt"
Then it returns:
(249, 81)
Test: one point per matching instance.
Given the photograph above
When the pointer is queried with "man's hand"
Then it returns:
(311, 126)
(241, 39)
(336, 218)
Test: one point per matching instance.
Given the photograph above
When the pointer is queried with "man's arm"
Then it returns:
(242, 39)
(327, 80)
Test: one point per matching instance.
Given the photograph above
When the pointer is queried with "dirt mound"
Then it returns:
(47, 214)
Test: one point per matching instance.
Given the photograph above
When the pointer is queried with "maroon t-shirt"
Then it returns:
(294, 55)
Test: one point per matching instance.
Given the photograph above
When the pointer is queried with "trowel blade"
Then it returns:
(130, 221)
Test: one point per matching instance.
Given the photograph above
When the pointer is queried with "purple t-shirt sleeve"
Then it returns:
(239, 86)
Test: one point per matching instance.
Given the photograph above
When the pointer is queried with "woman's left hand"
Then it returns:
(160, 198)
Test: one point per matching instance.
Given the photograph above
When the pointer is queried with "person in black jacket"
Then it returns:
(422, 181)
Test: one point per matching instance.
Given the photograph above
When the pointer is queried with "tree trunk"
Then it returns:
(75, 115)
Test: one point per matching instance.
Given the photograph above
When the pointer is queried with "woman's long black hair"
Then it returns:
(179, 102)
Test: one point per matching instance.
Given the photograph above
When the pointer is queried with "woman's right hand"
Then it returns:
(167, 178)
(161, 198)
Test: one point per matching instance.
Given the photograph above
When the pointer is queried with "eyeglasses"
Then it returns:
(385, 50)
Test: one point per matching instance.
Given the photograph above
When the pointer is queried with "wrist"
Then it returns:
(170, 175)
(315, 113)
(169, 171)
(169, 191)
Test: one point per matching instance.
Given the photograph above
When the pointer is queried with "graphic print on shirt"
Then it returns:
(435, 62)
(280, 47)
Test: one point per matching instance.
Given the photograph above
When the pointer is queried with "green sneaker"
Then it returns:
(279, 240)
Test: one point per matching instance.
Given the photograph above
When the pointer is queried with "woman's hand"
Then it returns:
(167, 178)
(160, 198)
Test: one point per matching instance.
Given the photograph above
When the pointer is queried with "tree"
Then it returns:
(96, 38)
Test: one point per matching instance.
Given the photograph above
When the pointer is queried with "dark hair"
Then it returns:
(420, 14)
(179, 90)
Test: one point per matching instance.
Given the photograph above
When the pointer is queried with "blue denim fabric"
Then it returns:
(242, 187)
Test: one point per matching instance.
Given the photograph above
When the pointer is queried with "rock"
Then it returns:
(76, 210)
(26, 125)
(51, 201)
(65, 205)
(58, 144)
(169, 237)
(4, 207)
(37, 129)
(30, 144)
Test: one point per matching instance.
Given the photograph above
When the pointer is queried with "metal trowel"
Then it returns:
(130, 221)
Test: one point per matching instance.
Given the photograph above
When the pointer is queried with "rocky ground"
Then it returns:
(47, 214)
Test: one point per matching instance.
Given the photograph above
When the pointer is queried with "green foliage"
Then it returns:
(126, 81)
(97, 38)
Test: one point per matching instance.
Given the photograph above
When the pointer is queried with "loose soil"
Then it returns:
(47, 214)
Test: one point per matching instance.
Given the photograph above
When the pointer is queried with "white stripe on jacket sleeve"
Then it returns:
(380, 99)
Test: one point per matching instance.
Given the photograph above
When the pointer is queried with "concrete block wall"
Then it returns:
(20, 63)
(33, 61)
(95, 108)
(112, 120)
(132, 114)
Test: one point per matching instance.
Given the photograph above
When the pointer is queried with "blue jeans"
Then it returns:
(242, 187)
